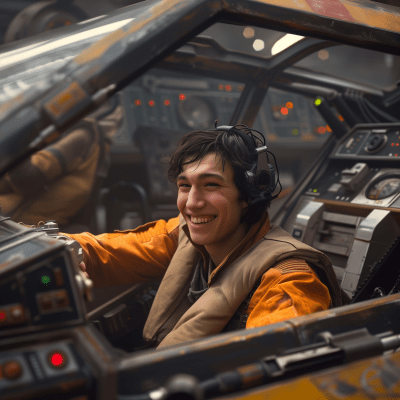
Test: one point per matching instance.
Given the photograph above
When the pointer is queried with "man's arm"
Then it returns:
(45, 166)
(288, 290)
(133, 256)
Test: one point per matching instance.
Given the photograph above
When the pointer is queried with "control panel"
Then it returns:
(373, 143)
(172, 102)
(55, 365)
(350, 208)
(38, 287)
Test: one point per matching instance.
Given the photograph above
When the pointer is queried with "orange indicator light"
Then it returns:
(289, 104)
(341, 118)
(328, 128)
(228, 88)
(167, 102)
(321, 130)
(397, 144)
(182, 96)
(151, 103)
(284, 111)
(137, 102)
(392, 144)
(220, 87)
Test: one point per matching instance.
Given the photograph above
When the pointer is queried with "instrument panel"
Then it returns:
(349, 209)
(38, 288)
(364, 169)
(376, 143)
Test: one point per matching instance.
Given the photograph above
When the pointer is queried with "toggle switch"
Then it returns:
(352, 177)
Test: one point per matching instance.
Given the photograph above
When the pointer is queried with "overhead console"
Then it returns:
(351, 208)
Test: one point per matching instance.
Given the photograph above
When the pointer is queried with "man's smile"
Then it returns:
(201, 219)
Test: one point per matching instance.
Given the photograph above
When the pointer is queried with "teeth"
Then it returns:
(201, 220)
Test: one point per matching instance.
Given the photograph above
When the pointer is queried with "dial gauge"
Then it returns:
(196, 113)
(383, 188)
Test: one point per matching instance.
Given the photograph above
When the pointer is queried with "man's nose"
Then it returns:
(195, 199)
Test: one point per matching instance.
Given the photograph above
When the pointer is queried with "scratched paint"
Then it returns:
(64, 101)
(378, 18)
(360, 12)
(370, 379)
(293, 4)
(374, 379)
(330, 8)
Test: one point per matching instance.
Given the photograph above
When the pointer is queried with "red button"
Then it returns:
(12, 370)
(57, 359)
(3, 317)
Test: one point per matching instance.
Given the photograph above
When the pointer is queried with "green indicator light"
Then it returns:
(317, 101)
(315, 190)
(295, 132)
(45, 279)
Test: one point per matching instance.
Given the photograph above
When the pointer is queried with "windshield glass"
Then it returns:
(342, 61)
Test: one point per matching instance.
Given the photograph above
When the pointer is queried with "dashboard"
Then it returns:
(350, 209)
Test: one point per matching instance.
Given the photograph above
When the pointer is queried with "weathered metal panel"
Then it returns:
(375, 378)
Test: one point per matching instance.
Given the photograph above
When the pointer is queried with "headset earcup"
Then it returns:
(264, 180)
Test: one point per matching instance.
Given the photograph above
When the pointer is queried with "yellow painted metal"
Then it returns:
(376, 378)
(364, 12)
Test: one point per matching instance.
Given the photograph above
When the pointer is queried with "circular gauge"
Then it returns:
(196, 113)
(383, 187)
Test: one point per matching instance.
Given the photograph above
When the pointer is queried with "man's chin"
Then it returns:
(200, 239)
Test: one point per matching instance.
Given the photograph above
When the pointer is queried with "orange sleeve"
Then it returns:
(132, 256)
(288, 290)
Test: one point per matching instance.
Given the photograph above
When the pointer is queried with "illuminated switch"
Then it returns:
(12, 370)
(62, 299)
(45, 302)
(17, 314)
(58, 276)
(3, 318)
(57, 359)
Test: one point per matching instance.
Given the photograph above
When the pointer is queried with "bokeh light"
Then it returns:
(258, 45)
(248, 32)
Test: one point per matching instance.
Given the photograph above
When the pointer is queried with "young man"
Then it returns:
(223, 266)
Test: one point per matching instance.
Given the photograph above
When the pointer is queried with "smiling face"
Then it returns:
(209, 201)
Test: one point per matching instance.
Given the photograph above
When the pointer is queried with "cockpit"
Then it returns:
(321, 84)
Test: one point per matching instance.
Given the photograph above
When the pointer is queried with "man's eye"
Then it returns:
(183, 185)
(212, 184)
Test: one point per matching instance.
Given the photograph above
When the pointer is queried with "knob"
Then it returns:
(12, 370)
(376, 143)
(116, 319)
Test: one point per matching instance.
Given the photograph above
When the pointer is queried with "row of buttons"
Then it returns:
(13, 314)
(52, 301)
(12, 369)
(343, 198)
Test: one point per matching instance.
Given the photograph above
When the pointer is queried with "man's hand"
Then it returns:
(82, 266)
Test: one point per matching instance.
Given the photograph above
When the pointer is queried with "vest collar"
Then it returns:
(257, 231)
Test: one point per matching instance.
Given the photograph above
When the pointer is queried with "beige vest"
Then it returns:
(212, 311)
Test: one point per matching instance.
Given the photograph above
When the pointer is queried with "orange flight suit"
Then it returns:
(289, 289)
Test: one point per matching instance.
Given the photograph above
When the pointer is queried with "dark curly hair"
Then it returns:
(230, 147)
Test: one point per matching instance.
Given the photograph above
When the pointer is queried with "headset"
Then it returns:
(263, 183)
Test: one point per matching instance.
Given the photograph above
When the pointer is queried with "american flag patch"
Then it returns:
(292, 265)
